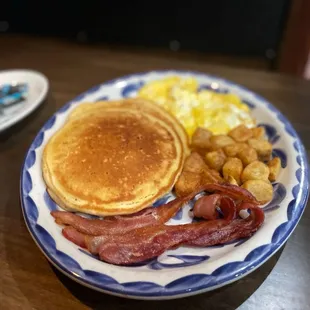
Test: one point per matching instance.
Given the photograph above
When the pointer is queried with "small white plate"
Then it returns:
(38, 87)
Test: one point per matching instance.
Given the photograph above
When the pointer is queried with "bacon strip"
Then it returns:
(153, 241)
(239, 228)
(206, 206)
(148, 242)
(74, 236)
(149, 237)
(120, 224)
(93, 243)
(233, 191)
(147, 217)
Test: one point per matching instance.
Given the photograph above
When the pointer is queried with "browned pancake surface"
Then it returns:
(115, 163)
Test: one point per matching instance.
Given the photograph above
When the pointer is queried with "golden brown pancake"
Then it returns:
(115, 159)
(139, 104)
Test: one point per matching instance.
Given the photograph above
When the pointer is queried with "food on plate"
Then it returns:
(233, 167)
(262, 147)
(139, 105)
(232, 150)
(194, 163)
(121, 223)
(258, 133)
(247, 155)
(274, 166)
(196, 107)
(187, 182)
(195, 174)
(261, 189)
(231, 180)
(151, 240)
(222, 131)
(216, 159)
(236, 158)
(113, 158)
(205, 207)
(256, 170)
(201, 139)
(219, 141)
(241, 133)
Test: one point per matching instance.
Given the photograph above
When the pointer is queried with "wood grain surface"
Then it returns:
(28, 281)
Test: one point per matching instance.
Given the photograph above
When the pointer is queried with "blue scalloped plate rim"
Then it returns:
(184, 286)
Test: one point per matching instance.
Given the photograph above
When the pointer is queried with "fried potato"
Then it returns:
(187, 183)
(216, 159)
(233, 167)
(274, 168)
(262, 147)
(258, 133)
(233, 149)
(211, 176)
(231, 180)
(241, 133)
(201, 152)
(194, 163)
(255, 171)
(261, 190)
(201, 139)
(219, 141)
(247, 155)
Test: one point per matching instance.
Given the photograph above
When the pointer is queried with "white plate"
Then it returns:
(184, 271)
(38, 87)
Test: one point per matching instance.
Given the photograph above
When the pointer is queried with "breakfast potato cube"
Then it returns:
(194, 163)
(260, 189)
(233, 149)
(201, 138)
(187, 183)
(262, 147)
(241, 133)
(215, 159)
(255, 171)
(201, 152)
(247, 155)
(258, 133)
(233, 167)
(211, 176)
(232, 180)
(274, 168)
(219, 141)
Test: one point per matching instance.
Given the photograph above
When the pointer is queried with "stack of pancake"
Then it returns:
(114, 157)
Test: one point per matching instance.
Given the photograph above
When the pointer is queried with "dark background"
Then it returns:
(234, 27)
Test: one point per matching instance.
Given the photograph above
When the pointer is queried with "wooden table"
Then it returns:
(28, 281)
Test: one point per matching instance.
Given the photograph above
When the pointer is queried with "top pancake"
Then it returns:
(139, 104)
(112, 158)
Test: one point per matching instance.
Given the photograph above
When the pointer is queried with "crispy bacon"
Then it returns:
(121, 224)
(153, 241)
(233, 191)
(93, 243)
(238, 228)
(158, 236)
(74, 236)
(146, 217)
(206, 206)
(149, 237)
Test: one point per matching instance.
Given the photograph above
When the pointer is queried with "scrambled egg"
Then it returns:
(180, 96)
